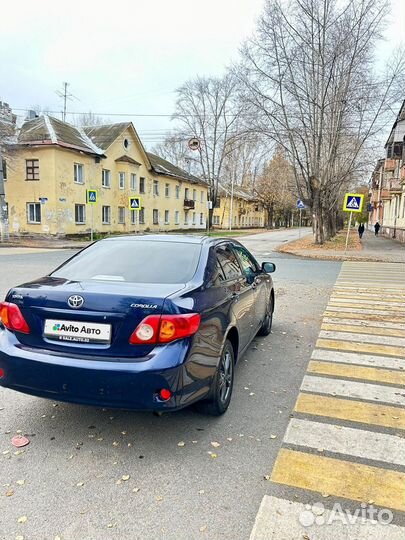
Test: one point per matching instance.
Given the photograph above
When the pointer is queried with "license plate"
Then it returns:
(76, 331)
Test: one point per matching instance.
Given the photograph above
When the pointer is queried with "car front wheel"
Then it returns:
(265, 329)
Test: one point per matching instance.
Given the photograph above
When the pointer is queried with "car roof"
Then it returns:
(184, 238)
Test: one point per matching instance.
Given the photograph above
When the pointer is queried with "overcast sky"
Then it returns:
(128, 56)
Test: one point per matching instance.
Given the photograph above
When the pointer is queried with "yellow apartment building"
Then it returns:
(51, 165)
(247, 211)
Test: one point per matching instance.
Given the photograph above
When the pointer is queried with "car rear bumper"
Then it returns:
(122, 383)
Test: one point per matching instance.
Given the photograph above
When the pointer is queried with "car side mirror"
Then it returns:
(268, 267)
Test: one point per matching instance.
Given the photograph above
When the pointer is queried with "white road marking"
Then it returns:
(358, 300)
(360, 359)
(364, 323)
(279, 519)
(351, 389)
(344, 440)
(360, 310)
(363, 338)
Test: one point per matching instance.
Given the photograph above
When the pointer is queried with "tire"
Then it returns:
(222, 386)
(265, 329)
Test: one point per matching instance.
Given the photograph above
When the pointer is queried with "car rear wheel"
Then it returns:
(265, 329)
(221, 390)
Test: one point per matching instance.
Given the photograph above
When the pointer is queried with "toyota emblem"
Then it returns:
(75, 301)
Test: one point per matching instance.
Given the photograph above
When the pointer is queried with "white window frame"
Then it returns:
(177, 217)
(156, 188)
(37, 207)
(133, 182)
(202, 196)
(155, 214)
(78, 173)
(121, 180)
(194, 195)
(106, 178)
(185, 218)
(82, 208)
(167, 190)
(215, 220)
(201, 218)
(142, 184)
(106, 209)
(187, 193)
(141, 216)
(134, 217)
(193, 220)
(167, 217)
(177, 192)
(121, 215)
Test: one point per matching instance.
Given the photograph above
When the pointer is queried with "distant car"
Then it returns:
(154, 322)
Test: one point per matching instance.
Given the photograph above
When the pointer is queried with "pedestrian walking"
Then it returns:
(361, 230)
(377, 227)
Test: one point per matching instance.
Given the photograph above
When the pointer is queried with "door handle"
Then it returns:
(235, 297)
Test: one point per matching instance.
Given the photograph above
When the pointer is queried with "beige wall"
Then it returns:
(244, 214)
(58, 185)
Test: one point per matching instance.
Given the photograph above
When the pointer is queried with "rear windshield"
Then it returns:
(135, 261)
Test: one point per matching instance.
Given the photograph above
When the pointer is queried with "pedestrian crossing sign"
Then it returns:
(134, 203)
(91, 196)
(353, 202)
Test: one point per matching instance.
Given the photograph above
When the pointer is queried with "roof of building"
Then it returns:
(94, 140)
(239, 192)
(128, 159)
(47, 130)
(164, 167)
(104, 135)
(397, 133)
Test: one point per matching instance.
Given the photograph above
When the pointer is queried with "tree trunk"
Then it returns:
(270, 216)
(317, 218)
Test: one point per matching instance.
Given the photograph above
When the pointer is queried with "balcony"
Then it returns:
(189, 204)
(390, 164)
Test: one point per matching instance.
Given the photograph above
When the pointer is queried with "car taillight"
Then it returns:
(165, 328)
(12, 318)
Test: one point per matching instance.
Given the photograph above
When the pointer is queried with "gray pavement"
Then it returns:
(73, 467)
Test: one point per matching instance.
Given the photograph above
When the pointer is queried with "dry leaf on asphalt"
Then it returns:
(20, 482)
(203, 528)
(136, 489)
(125, 477)
(215, 444)
(273, 436)
(266, 477)
(80, 484)
(19, 440)
(22, 519)
(9, 493)
(181, 443)
(159, 498)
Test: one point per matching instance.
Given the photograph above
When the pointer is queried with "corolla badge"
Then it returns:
(75, 301)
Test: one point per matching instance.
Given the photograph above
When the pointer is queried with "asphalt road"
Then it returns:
(74, 465)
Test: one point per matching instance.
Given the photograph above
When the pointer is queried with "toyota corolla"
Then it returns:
(138, 322)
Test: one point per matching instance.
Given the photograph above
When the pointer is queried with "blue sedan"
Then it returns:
(154, 322)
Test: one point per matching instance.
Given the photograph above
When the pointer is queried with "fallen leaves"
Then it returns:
(20, 482)
(22, 519)
(80, 484)
(203, 528)
(125, 477)
(181, 444)
(215, 444)
(273, 436)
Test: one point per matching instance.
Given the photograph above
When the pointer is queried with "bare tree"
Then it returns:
(89, 119)
(308, 78)
(275, 187)
(175, 149)
(208, 108)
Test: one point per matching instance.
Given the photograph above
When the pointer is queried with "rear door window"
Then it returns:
(228, 261)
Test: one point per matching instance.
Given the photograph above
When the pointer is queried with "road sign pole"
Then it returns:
(348, 231)
(299, 226)
(92, 223)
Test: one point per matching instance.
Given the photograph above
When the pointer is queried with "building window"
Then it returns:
(142, 185)
(34, 212)
(186, 193)
(78, 171)
(106, 178)
(201, 196)
(133, 182)
(185, 218)
(194, 194)
(201, 219)
(217, 203)
(167, 190)
(215, 220)
(177, 192)
(134, 216)
(166, 217)
(121, 214)
(106, 215)
(155, 217)
(193, 218)
(80, 214)
(156, 188)
(32, 169)
(121, 180)
(142, 215)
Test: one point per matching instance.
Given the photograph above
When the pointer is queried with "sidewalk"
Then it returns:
(374, 249)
